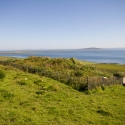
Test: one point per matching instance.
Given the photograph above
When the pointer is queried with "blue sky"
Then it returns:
(61, 24)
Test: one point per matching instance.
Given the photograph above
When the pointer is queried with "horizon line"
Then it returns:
(33, 49)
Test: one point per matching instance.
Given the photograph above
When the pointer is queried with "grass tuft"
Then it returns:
(40, 92)
(105, 113)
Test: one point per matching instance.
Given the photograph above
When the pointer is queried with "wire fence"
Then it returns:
(79, 83)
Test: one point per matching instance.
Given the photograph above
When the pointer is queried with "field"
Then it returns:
(110, 67)
(30, 99)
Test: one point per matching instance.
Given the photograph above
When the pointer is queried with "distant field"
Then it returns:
(106, 67)
(110, 67)
(4, 58)
(28, 99)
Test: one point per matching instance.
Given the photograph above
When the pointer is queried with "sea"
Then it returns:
(116, 56)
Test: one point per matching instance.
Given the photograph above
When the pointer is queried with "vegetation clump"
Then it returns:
(40, 92)
(102, 112)
(22, 82)
(119, 74)
(38, 82)
(5, 94)
(2, 74)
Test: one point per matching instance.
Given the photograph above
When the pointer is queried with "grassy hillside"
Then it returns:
(72, 72)
(70, 66)
(80, 75)
(28, 99)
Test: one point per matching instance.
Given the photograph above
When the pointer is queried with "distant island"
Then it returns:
(92, 48)
(39, 50)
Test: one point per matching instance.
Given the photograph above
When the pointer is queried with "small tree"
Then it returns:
(2, 74)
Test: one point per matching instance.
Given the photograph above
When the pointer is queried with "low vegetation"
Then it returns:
(72, 72)
(110, 67)
(2, 74)
(30, 99)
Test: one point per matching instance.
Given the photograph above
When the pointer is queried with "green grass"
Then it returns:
(111, 67)
(28, 99)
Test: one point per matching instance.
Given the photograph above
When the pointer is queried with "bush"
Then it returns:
(2, 74)
(73, 60)
(119, 74)
(78, 73)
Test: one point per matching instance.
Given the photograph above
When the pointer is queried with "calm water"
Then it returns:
(98, 55)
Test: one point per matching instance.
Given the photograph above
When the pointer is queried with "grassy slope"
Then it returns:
(40, 100)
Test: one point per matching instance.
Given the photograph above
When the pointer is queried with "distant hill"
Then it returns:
(92, 48)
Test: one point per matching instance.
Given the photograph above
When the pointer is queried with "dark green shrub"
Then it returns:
(83, 87)
(78, 73)
(102, 87)
(6, 94)
(22, 82)
(38, 82)
(40, 92)
(118, 74)
(2, 74)
(73, 60)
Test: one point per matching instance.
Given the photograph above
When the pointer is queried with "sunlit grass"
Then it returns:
(44, 101)
(110, 67)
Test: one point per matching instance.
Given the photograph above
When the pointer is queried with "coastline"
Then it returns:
(102, 56)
